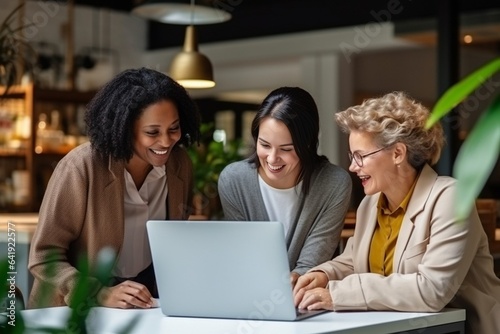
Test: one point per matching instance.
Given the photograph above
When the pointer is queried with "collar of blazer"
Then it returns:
(416, 205)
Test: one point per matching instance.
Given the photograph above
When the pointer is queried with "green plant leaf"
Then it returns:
(79, 303)
(4, 288)
(47, 288)
(477, 158)
(458, 92)
(4, 269)
(6, 22)
(210, 157)
(14, 51)
(104, 266)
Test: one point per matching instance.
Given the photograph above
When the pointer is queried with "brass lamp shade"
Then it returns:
(190, 68)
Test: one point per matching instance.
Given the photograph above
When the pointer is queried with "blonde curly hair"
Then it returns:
(393, 118)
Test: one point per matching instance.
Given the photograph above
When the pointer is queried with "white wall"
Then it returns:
(321, 62)
(410, 70)
(335, 65)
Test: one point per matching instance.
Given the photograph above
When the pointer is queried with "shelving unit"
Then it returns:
(24, 147)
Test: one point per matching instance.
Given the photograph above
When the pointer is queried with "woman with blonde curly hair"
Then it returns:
(408, 252)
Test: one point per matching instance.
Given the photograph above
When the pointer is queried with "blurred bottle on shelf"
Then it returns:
(4, 192)
(14, 126)
(6, 128)
(49, 136)
(56, 141)
(40, 133)
(20, 187)
(8, 192)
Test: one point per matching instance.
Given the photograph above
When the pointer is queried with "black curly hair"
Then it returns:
(111, 114)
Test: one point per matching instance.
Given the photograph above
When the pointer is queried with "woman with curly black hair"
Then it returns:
(102, 193)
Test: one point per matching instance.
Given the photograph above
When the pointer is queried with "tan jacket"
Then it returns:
(82, 212)
(438, 262)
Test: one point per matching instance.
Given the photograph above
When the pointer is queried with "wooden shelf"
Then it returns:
(12, 152)
(34, 101)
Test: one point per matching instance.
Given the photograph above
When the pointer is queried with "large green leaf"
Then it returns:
(46, 288)
(477, 158)
(7, 21)
(79, 304)
(458, 92)
(104, 266)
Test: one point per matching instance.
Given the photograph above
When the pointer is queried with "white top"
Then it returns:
(140, 206)
(281, 204)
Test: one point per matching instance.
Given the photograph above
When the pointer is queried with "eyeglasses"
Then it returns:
(358, 158)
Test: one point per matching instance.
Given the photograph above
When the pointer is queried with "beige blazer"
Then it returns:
(438, 262)
(83, 211)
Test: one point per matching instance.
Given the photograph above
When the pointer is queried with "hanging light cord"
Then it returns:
(192, 12)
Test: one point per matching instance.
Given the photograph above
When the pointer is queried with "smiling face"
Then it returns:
(377, 168)
(156, 132)
(279, 163)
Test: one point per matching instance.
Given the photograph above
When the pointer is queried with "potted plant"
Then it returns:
(11, 320)
(480, 150)
(209, 159)
(16, 55)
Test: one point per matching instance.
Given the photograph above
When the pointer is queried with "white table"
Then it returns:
(107, 320)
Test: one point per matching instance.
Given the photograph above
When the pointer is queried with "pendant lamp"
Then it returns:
(191, 68)
(181, 12)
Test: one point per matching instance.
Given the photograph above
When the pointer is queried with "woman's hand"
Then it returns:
(309, 281)
(316, 299)
(293, 278)
(127, 294)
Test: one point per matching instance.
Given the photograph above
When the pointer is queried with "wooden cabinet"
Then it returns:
(37, 128)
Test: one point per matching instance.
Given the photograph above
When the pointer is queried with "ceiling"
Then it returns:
(257, 18)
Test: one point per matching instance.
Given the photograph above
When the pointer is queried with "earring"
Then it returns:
(398, 165)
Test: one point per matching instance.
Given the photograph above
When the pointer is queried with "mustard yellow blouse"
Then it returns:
(386, 234)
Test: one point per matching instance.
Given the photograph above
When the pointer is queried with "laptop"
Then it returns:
(223, 269)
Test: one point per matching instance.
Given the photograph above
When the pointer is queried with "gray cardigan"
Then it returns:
(315, 232)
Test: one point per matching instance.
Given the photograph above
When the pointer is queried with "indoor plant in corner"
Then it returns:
(479, 152)
(16, 55)
(12, 322)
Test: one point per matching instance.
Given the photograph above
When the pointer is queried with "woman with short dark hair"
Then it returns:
(286, 180)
